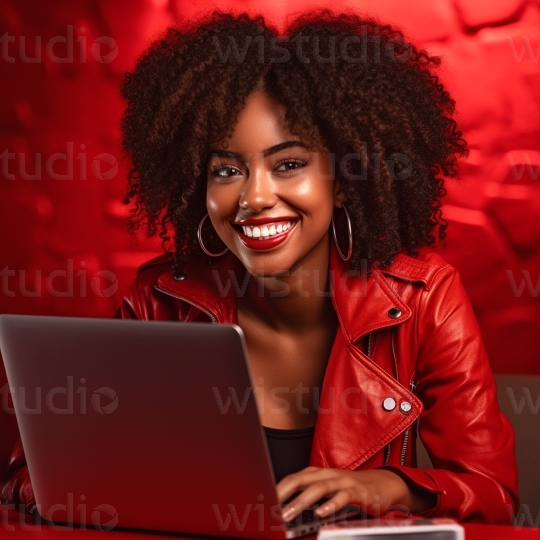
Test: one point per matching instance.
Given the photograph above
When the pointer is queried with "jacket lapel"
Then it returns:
(362, 303)
(352, 424)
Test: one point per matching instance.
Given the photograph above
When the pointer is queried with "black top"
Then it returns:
(289, 449)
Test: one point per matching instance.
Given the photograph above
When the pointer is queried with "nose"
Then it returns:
(258, 191)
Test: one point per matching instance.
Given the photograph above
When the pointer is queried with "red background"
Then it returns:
(53, 228)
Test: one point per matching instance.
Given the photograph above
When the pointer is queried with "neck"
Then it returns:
(298, 301)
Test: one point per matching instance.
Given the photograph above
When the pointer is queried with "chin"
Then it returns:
(266, 269)
(270, 272)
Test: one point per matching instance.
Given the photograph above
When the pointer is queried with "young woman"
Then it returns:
(296, 181)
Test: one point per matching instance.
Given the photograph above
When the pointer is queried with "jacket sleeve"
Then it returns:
(131, 305)
(470, 442)
(17, 489)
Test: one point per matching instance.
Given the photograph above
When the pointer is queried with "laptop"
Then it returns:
(148, 425)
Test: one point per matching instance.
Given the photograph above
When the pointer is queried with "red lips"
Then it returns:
(264, 220)
(255, 243)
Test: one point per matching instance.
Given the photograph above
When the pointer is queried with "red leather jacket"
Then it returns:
(407, 332)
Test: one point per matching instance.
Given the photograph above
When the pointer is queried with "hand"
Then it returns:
(376, 487)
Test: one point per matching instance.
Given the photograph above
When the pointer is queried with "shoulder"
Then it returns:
(146, 277)
(149, 271)
(144, 301)
(426, 267)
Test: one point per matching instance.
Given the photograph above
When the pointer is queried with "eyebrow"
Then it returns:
(267, 152)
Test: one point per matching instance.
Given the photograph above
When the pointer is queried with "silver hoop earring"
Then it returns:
(199, 236)
(349, 227)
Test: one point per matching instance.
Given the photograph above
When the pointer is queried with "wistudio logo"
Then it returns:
(62, 517)
(67, 407)
(103, 283)
(104, 49)
(103, 166)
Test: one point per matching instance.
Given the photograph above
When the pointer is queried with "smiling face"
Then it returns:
(268, 197)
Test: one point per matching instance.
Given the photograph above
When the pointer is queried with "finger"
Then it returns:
(335, 503)
(297, 481)
(311, 495)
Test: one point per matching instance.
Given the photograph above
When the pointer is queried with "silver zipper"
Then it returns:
(406, 434)
(369, 345)
(404, 447)
(212, 317)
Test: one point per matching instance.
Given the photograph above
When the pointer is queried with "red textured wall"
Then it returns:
(64, 247)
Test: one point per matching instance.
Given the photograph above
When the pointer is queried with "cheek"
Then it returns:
(317, 194)
(219, 201)
(212, 204)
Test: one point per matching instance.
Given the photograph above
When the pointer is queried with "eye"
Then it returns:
(297, 164)
(222, 172)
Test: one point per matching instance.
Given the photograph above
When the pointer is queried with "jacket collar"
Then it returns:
(362, 303)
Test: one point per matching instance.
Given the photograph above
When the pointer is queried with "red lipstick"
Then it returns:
(264, 220)
(255, 243)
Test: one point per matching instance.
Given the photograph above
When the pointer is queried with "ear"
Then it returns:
(339, 195)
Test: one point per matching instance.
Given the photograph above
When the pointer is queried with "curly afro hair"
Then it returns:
(349, 84)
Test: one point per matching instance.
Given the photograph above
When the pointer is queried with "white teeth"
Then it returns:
(265, 232)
